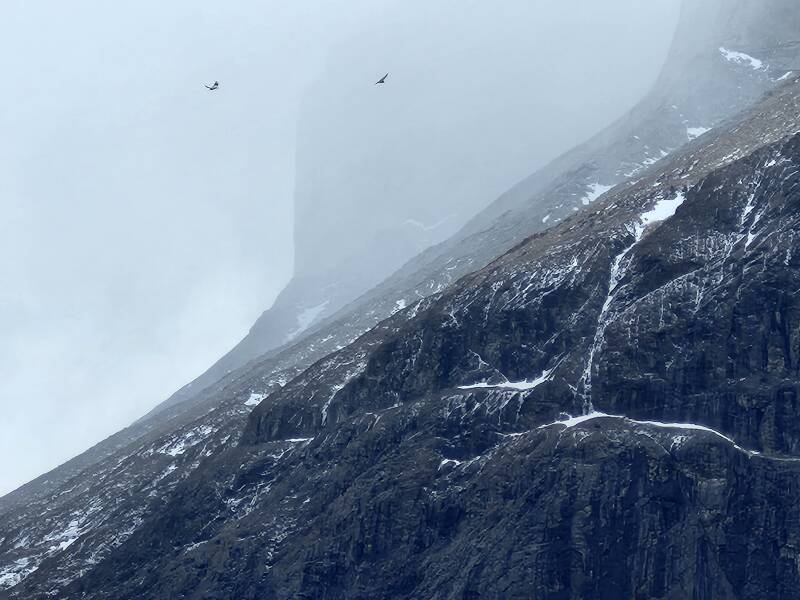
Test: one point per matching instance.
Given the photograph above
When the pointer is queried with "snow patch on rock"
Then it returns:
(695, 132)
(520, 386)
(254, 399)
(306, 318)
(595, 191)
(662, 211)
(740, 58)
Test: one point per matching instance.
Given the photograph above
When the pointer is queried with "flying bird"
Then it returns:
(213, 86)
(382, 79)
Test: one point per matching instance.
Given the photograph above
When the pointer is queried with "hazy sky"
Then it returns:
(145, 223)
(480, 94)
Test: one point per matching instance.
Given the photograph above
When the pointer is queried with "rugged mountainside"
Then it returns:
(435, 456)
(690, 320)
(714, 70)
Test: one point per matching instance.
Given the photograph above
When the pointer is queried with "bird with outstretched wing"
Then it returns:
(382, 79)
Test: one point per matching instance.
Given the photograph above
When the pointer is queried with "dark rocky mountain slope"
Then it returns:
(608, 410)
(700, 327)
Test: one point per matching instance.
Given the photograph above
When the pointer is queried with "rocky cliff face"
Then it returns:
(434, 456)
(725, 56)
(609, 409)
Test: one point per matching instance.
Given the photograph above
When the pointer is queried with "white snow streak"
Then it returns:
(695, 132)
(306, 318)
(662, 210)
(424, 227)
(178, 445)
(354, 372)
(254, 399)
(595, 191)
(741, 58)
(521, 386)
(574, 421)
(16, 572)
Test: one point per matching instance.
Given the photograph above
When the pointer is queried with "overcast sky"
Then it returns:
(480, 94)
(145, 222)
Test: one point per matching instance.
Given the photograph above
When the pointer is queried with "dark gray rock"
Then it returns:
(407, 465)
